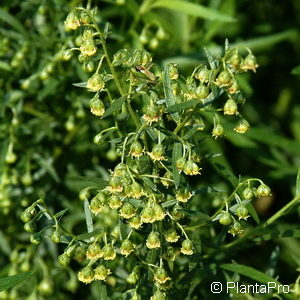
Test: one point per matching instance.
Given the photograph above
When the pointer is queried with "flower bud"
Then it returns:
(86, 275)
(224, 79)
(191, 168)
(144, 39)
(177, 212)
(236, 228)
(28, 214)
(127, 211)
(108, 252)
(157, 153)
(120, 57)
(30, 227)
(115, 185)
(249, 63)
(230, 107)
(45, 287)
(183, 195)
(10, 157)
(187, 247)
(35, 238)
(70, 251)
(134, 275)
(64, 259)
(26, 179)
(203, 74)
(153, 43)
(152, 114)
(88, 48)
(127, 247)
(170, 254)
(242, 212)
(101, 272)
(95, 83)
(120, 170)
(80, 254)
(161, 276)
(153, 241)
(55, 237)
(84, 18)
(97, 106)
(89, 67)
(93, 251)
(217, 131)
(135, 222)
(202, 91)
(225, 218)
(160, 33)
(72, 21)
(158, 295)
(167, 179)
(159, 213)
(242, 126)
(263, 190)
(173, 71)
(147, 215)
(136, 190)
(235, 60)
(67, 54)
(247, 193)
(97, 203)
(114, 202)
(136, 149)
(145, 58)
(180, 163)
(234, 88)
(171, 235)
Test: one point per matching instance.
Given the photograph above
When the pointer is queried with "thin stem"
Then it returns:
(187, 118)
(271, 220)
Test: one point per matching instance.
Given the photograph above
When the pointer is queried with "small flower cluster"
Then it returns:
(147, 195)
(240, 210)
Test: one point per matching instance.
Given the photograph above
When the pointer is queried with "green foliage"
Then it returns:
(11, 281)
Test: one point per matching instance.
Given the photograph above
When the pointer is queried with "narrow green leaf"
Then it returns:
(80, 84)
(213, 63)
(177, 153)
(88, 216)
(114, 106)
(86, 236)
(183, 105)
(148, 182)
(298, 183)
(169, 203)
(12, 21)
(253, 213)
(264, 135)
(213, 96)
(267, 41)
(170, 98)
(11, 281)
(273, 234)
(249, 272)
(193, 9)
(103, 292)
(99, 182)
(61, 213)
